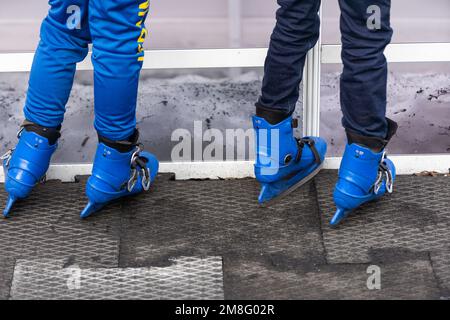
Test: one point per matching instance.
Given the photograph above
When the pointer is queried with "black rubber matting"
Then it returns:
(6, 274)
(416, 218)
(283, 251)
(47, 226)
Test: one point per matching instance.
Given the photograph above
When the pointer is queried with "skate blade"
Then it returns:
(277, 196)
(90, 209)
(342, 214)
(338, 217)
(9, 204)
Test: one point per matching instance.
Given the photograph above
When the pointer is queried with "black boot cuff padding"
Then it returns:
(373, 143)
(273, 116)
(124, 145)
(52, 134)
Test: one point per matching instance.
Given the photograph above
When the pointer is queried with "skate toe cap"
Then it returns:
(17, 188)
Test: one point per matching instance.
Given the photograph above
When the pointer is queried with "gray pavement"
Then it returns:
(210, 240)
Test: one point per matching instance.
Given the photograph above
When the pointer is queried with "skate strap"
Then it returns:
(52, 134)
(121, 146)
(126, 145)
(312, 145)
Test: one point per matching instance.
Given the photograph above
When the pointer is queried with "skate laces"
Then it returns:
(139, 168)
(384, 172)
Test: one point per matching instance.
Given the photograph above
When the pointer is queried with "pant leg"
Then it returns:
(63, 43)
(364, 78)
(118, 32)
(296, 32)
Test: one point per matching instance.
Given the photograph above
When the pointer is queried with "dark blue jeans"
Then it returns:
(364, 78)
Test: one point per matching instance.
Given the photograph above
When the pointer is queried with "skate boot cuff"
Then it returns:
(122, 146)
(271, 115)
(374, 143)
(52, 134)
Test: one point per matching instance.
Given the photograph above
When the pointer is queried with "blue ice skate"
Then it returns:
(364, 176)
(118, 174)
(26, 165)
(283, 162)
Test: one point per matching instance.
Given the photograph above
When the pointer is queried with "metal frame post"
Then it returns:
(311, 89)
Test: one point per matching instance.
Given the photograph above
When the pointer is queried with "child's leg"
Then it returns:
(296, 32)
(364, 77)
(283, 162)
(365, 173)
(120, 168)
(64, 42)
(118, 33)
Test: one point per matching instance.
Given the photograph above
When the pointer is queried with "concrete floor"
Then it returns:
(210, 240)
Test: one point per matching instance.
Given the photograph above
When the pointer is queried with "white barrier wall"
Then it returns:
(166, 105)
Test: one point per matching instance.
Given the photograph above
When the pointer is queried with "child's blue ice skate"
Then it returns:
(118, 174)
(26, 165)
(363, 176)
(283, 162)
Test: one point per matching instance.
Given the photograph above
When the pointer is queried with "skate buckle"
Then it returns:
(389, 181)
(146, 180)
(43, 179)
(378, 182)
(132, 182)
(383, 171)
(19, 133)
(135, 155)
(7, 156)
(137, 161)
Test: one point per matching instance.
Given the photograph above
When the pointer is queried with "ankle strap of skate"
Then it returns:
(122, 145)
(311, 144)
(52, 134)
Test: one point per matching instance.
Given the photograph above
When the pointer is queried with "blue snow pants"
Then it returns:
(364, 77)
(116, 30)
